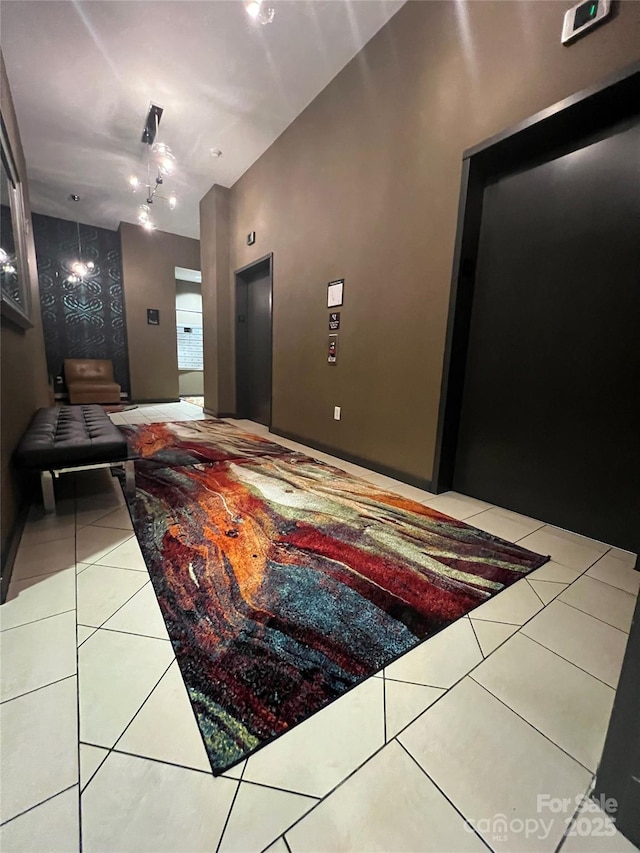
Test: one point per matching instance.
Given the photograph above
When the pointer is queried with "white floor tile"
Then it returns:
(592, 831)
(608, 603)
(514, 605)
(104, 589)
(37, 654)
(43, 559)
(564, 703)
(126, 556)
(91, 757)
(469, 736)
(140, 615)
(93, 543)
(80, 567)
(616, 572)
(236, 771)
(259, 815)
(457, 506)
(404, 702)
(505, 524)
(50, 527)
(168, 710)
(627, 557)
(117, 673)
(118, 518)
(317, 754)
(588, 643)
(37, 598)
(492, 634)
(52, 827)
(39, 746)
(440, 661)
(387, 806)
(547, 590)
(179, 811)
(555, 573)
(84, 633)
(576, 553)
(278, 846)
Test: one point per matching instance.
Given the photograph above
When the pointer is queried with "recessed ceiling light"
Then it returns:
(215, 152)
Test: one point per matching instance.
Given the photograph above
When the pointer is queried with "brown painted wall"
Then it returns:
(148, 274)
(24, 373)
(364, 185)
(216, 301)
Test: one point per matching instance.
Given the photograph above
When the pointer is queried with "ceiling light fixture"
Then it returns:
(260, 11)
(80, 270)
(161, 160)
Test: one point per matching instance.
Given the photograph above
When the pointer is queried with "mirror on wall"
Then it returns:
(14, 274)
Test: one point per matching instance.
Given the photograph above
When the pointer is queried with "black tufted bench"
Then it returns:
(72, 438)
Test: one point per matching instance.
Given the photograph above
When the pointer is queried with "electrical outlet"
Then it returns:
(336, 413)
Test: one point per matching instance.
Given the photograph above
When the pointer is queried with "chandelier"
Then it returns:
(260, 11)
(80, 270)
(160, 166)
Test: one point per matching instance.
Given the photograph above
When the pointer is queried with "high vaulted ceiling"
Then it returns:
(83, 74)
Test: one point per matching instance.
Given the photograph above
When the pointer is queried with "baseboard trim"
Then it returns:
(215, 414)
(12, 550)
(402, 476)
(158, 400)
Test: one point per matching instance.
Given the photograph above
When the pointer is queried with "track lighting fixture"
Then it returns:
(161, 161)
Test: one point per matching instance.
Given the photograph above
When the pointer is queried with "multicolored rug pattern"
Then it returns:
(164, 445)
(284, 582)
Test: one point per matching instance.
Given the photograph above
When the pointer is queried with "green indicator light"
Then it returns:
(592, 10)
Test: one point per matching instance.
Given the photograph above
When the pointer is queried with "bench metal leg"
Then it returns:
(48, 494)
(130, 479)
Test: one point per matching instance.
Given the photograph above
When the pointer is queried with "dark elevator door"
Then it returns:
(254, 344)
(550, 421)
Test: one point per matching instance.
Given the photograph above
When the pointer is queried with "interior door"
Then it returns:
(253, 363)
(550, 413)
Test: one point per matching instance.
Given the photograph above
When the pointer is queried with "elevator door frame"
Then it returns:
(548, 133)
(241, 277)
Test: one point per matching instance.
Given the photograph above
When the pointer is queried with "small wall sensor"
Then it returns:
(582, 17)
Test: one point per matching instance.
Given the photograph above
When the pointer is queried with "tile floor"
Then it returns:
(101, 751)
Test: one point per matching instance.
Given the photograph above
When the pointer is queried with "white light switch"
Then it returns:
(336, 413)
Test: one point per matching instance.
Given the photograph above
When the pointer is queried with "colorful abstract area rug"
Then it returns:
(193, 442)
(284, 582)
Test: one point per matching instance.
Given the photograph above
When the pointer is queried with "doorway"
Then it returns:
(254, 306)
(189, 331)
(539, 413)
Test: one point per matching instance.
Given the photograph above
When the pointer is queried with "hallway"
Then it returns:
(485, 736)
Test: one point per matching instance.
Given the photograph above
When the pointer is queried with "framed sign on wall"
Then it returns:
(335, 293)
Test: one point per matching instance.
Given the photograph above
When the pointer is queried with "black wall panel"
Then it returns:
(84, 319)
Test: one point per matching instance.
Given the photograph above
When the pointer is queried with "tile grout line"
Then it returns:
(42, 618)
(586, 612)
(233, 802)
(557, 654)
(447, 798)
(124, 603)
(535, 728)
(35, 689)
(37, 805)
(531, 587)
(75, 588)
(482, 654)
(384, 705)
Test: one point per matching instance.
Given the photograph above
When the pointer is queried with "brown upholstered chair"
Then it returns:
(90, 380)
